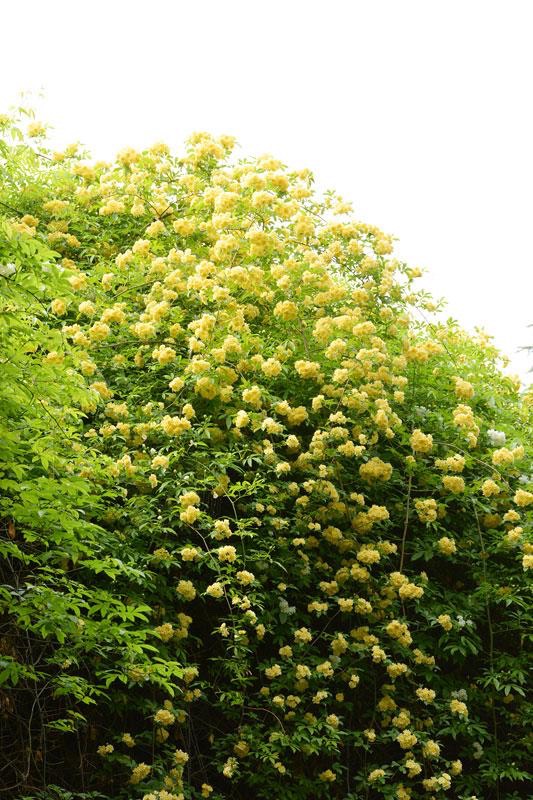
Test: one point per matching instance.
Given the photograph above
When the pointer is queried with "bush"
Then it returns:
(265, 518)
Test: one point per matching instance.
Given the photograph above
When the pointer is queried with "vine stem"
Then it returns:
(406, 522)
(491, 642)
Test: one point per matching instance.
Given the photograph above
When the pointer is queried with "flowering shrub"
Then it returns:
(266, 521)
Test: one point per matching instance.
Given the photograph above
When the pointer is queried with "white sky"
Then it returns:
(418, 111)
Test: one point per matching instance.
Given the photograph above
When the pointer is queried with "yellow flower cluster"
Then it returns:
(140, 772)
(421, 442)
(375, 470)
(269, 338)
(426, 510)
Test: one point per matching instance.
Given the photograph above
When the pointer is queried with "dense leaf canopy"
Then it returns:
(264, 519)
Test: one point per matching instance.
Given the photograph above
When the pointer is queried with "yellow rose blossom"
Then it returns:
(186, 590)
(453, 483)
(431, 749)
(523, 498)
(175, 426)
(463, 389)
(227, 553)
(140, 772)
(426, 695)
(446, 546)
(375, 469)
(215, 590)
(421, 442)
(409, 591)
(164, 717)
(490, 488)
(459, 708)
(426, 510)
(165, 631)
(502, 457)
(445, 621)
(406, 739)
(286, 310)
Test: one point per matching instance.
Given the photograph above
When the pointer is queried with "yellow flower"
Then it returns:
(402, 720)
(112, 207)
(459, 708)
(102, 389)
(523, 498)
(378, 654)
(241, 419)
(155, 228)
(128, 156)
(455, 463)
(160, 462)
(426, 695)
(140, 772)
(368, 555)
(395, 670)
(453, 483)
(245, 578)
(252, 396)
(273, 672)
(181, 758)
(421, 442)
(189, 553)
(325, 669)
(328, 776)
(99, 331)
(447, 546)
(307, 369)
(164, 717)
(463, 389)
(36, 129)
(241, 749)
(271, 367)
(176, 384)
(375, 469)
(409, 591)
(184, 226)
(286, 310)
(215, 590)
(445, 621)
(431, 749)
(144, 330)
(186, 590)
(58, 306)
(165, 631)
(175, 426)
(414, 769)
(190, 514)
(53, 357)
(227, 553)
(406, 739)
(426, 510)
(164, 354)
(502, 457)
(490, 488)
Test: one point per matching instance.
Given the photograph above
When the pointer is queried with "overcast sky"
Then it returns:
(418, 111)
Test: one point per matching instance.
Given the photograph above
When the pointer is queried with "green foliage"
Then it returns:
(265, 522)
